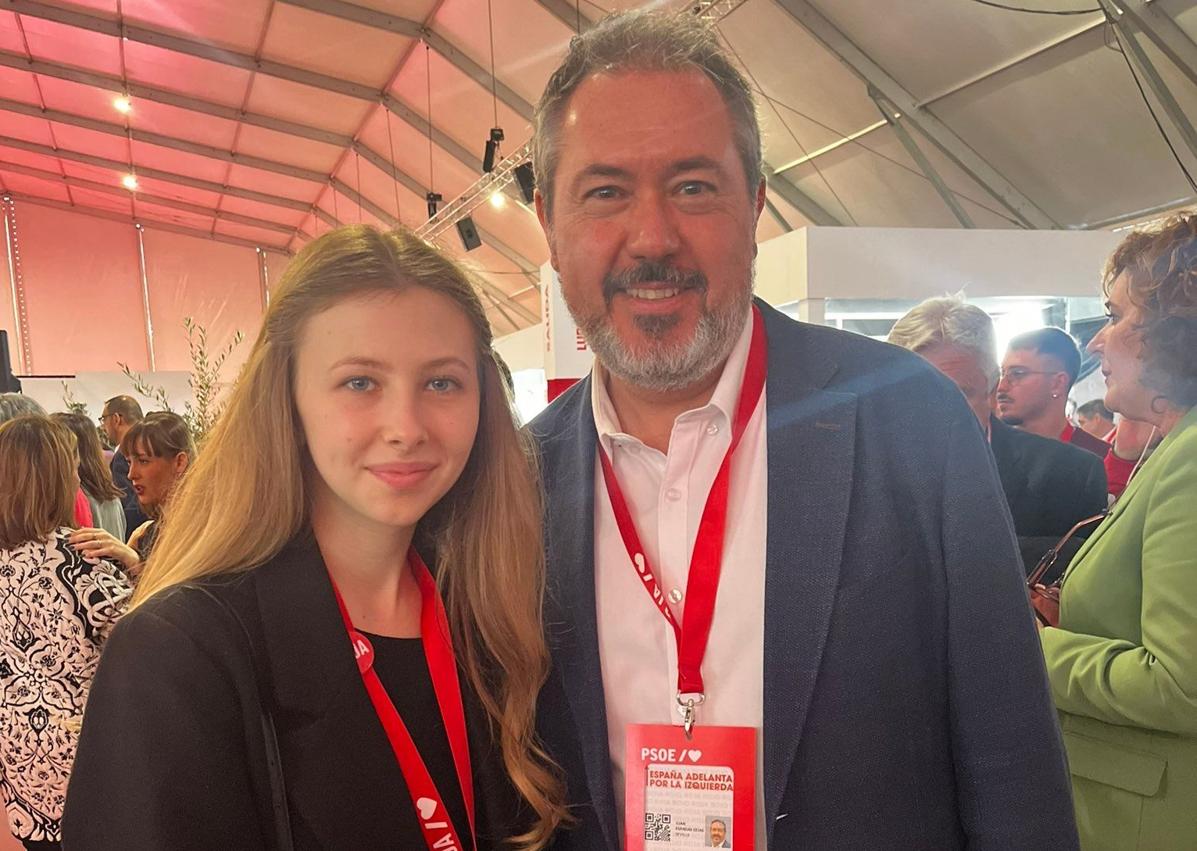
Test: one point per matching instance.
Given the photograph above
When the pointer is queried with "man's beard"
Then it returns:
(665, 367)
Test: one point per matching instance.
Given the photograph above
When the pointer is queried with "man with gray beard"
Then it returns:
(783, 586)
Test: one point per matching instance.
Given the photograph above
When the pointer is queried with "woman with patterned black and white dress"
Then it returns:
(55, 611)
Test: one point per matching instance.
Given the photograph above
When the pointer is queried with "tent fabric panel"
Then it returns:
(214, 283)
(72, 138)
(793, 68)
(952, 41)
(413, 10)
(16, 84)
(179, 162)
(271, 183)
(517, 227)
(880, 189)
(257, 141)
(55, 42)
(269, 212)
(190, 75)
(88, 198)
(190, 126)
(23, 184)
(346, 50)
(231, 25)
(460, 107)
(305, 105)
(27, 158)
(152, 186)
(83, 290)
(27, 128)
(10, 36)
(519, 29)
(1073, 173)
(149, 211)
(261, 236)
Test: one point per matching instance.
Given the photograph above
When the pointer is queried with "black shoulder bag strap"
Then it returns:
(274, 762)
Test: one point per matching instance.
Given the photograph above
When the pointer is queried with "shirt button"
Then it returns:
(713, 429)
(675, 596)
(673, 494)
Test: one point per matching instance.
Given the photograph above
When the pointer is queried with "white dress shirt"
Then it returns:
(666, 494)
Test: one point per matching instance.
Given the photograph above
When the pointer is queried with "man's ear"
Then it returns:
(542, 214)
(1060, 386)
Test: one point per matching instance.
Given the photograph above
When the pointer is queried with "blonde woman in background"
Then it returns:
(55, 612)
(369, 434)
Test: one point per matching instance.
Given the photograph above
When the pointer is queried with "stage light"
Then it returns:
(433, 198)
(468, 233)
(526, 178)
(129, 181)
(122, 104)
(492, 147)
(498, 200)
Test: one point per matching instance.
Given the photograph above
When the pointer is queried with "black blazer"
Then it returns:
(134, 516)
(905, 701)
(172, 753)
(1049, 486)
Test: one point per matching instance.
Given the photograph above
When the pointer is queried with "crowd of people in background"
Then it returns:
(369, 552)
(66, 577)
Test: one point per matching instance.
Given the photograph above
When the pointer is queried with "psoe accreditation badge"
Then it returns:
(696, 792)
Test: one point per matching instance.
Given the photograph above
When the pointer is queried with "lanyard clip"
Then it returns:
(687, 708)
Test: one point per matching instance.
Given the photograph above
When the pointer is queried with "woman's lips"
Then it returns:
(401, 476)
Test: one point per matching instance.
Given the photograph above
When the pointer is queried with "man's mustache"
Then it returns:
(652, 272)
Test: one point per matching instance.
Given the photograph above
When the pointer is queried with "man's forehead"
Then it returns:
(637, 101)
(1023, 356)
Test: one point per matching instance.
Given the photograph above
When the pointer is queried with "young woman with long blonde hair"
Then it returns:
(369, 435)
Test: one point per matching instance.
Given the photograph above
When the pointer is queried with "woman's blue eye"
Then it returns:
(442, 385)
(359, 383)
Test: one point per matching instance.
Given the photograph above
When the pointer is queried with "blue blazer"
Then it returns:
(905, 700)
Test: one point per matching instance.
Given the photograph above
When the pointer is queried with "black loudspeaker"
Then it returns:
(8, 381)
(526, 178)
(468, 233)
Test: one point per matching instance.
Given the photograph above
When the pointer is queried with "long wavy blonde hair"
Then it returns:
(246, 496)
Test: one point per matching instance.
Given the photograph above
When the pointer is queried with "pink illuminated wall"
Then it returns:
(83, 290)
(82, 278)
(215, 283)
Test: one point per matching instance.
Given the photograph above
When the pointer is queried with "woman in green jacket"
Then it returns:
(1123, 660)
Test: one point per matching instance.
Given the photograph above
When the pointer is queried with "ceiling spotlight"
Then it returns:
(122, 104)
(129, 181)
(498, 200)
(468, 233)
(526, 178)
(492, 147)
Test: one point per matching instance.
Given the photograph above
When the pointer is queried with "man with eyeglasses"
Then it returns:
(1039, 369)
(120, 414)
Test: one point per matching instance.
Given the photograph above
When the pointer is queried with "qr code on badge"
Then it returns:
(657, 827)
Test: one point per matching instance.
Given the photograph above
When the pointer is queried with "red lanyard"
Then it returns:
(706, 561)
(432, 813)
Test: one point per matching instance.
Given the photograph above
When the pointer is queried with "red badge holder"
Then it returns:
(690, 791)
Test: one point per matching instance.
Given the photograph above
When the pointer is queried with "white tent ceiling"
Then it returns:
(267, 121)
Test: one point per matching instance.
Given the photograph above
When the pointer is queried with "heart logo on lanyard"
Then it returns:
(427, 808)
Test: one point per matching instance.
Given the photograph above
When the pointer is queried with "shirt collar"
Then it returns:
(723, 399)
